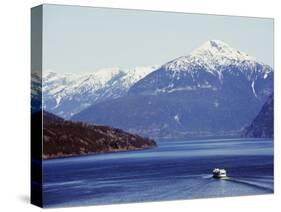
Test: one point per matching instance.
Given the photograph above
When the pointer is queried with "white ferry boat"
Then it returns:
(219, 173)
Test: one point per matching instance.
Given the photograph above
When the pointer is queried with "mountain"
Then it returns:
(214, 91)
(66, 94)
(63, 138)
(262, 125)
(36, 93)
(213, 66)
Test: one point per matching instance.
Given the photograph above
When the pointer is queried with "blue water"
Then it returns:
(173, 170)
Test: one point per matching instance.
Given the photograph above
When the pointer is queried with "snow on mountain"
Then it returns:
(36, 92)
(205, 67)
(214, 91)
(212, 55)
(66, 93)
(35, 85)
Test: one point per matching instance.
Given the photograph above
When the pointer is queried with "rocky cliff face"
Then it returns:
(63, 138)
(262, 125)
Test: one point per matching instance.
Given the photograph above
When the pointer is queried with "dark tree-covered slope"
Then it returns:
(262, 125)
(63, 138)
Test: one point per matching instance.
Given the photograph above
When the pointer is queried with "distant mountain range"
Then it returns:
(263, 125)
(68, 94)
(63, 138)
(214, 91)
(36, 92)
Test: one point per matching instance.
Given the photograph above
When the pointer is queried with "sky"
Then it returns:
(84, 39)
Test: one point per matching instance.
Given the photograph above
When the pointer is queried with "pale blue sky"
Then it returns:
(83, 39)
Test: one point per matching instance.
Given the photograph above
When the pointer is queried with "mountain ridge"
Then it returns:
(65, 94)
(211, 60)
(263, 124)
(190, 98)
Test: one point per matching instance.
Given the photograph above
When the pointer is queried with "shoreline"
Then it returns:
(97, 153)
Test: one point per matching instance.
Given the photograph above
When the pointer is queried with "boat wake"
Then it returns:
(255, 184)
(208, 176)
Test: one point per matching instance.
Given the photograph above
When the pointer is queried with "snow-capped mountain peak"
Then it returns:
(210, 55)
(67, 93)
(213, 66)
(217, 49)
